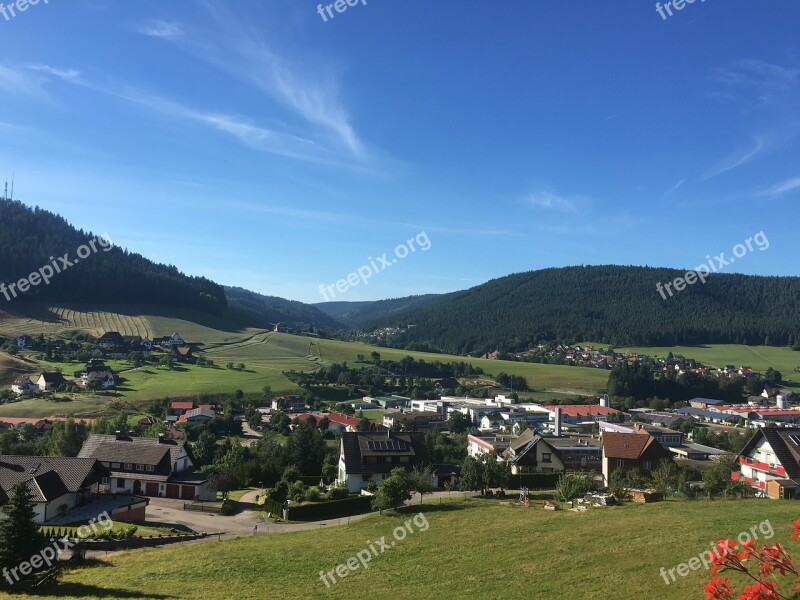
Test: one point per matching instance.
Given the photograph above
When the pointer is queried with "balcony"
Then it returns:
(762, 466)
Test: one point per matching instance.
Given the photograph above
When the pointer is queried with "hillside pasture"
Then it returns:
(472, 549)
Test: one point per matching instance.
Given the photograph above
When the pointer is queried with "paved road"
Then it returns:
(167, 512)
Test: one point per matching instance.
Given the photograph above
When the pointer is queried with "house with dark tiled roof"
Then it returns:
(56, 484)
(50, 382)
(111, 340)
(370, 457)
(290, 403)
(631, 451)
(531, 453)
(770, 462)
(156, 467)
(183, 354)
(23, 384)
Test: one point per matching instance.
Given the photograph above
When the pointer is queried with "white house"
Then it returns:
(24, 342)
(22, 385)
(157, 467)
(370, 457)
(56, 484)
(769, 462)
(50, 382)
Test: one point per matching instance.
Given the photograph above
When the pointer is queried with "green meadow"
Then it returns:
(266, 355)
(472, 549)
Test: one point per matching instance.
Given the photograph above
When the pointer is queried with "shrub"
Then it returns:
(312, 494)
(338, 492)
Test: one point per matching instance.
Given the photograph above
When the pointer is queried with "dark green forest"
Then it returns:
(616, 305)
(268, 310)
(29, 237)
(353, 314)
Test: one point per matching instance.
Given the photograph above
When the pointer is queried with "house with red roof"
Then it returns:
(631, 451)
(181, 407)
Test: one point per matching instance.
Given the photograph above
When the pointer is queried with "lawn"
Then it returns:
(470, 549)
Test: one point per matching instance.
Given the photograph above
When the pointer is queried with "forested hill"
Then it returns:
(353, 314)
(31, 238)
(612, 304)
(268, 310)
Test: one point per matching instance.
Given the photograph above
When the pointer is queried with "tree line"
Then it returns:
(611, 304)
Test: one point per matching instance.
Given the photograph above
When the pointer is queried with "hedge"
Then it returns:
(329, 510)
(271, 506)
(314, 480)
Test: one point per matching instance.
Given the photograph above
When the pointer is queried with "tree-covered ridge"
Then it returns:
(353, 314)
(612, 304)
(31, 237)
(265, 310)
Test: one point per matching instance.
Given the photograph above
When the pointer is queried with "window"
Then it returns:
(128, 467)
(150, 468)
(115, 465)
(647, 465)
(546, 457)
(620, 462)
(140, 467)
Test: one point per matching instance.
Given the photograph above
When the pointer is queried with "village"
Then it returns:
(521, 444)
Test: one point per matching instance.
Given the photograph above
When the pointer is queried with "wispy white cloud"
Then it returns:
(242, 128)
(167, 30)
(735, 160)
(781, 188)
(311, 92)
(674, 188)
(68, 75)
(758, 81)
(550, 200)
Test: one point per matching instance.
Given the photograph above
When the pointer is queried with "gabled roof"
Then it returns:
(783, 444)
(53, 377)
(630, 446)
(342, 419)
(182, 405)
(136, 450)
(47, 477)
(358, 445)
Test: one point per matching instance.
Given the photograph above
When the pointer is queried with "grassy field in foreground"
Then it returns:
(475, 549)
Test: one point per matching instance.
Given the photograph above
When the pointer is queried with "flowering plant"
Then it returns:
(771, 560)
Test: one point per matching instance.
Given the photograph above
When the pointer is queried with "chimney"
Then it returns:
(160, 438)
(557, 424)
(118, 434)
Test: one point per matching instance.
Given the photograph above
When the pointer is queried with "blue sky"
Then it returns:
(258, 145)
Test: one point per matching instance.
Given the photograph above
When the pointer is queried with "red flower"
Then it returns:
(776, 559)
(763, 590)
(718, 589)
(796, 534)
(748, 550)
